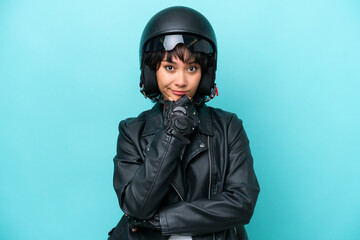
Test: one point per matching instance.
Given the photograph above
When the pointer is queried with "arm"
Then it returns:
(140, 184)
(233, 206)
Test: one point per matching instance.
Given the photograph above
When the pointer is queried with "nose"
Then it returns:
(180, 80)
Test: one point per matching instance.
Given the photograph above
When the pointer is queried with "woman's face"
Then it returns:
(177, 78)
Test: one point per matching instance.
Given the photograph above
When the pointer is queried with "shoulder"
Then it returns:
(134, 122)
(220, 115)
(228, 124)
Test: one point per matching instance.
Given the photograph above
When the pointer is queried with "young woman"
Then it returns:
(183, 170)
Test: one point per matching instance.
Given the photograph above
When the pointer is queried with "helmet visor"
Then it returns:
(169, 42)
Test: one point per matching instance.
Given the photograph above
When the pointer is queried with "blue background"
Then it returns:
(69, 73)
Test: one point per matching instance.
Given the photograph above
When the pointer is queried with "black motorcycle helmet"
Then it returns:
(170, 27)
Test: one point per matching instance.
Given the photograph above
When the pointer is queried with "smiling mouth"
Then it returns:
(178, 93)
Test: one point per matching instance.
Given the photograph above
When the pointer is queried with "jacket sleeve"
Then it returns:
(141, 182)
(233, 206)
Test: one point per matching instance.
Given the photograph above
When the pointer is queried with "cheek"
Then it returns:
(159, 77)
(162, 79)
(197, 80)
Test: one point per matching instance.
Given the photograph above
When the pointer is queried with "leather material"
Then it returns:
(206, 189)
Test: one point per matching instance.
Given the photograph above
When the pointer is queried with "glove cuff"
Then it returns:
(171, 131)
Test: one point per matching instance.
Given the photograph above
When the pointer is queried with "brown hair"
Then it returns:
(153, 59)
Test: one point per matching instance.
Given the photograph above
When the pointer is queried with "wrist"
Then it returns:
(171, 131)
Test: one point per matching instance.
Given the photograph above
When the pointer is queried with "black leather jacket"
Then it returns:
(206, 189)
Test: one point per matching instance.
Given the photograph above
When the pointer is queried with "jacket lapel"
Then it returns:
(198, 141)
(197, 145)
(154, 121)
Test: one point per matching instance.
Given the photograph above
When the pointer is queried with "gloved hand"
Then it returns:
(153, 223)
(181, 118)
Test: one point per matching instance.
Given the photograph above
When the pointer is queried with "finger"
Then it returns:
(170, 98)
(134, 229)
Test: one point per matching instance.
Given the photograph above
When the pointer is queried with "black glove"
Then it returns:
(181, 118)
(153, 223)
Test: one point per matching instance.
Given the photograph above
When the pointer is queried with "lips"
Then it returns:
(178, 93)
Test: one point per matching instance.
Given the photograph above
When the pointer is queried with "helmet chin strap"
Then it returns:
(211, 96)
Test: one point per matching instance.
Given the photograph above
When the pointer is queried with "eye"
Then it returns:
(192, 69)
(169, 68)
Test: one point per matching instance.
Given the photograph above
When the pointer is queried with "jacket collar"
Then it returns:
(154, 121)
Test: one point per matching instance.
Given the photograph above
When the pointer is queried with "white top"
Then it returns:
(178, 237)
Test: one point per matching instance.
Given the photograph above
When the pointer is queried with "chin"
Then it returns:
(174, 97)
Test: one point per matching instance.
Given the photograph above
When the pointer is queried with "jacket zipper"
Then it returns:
(210, 167)
(209, 154)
